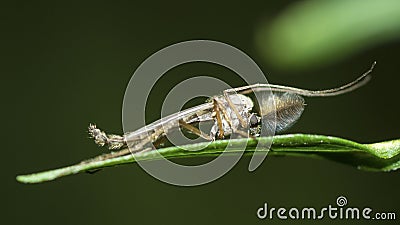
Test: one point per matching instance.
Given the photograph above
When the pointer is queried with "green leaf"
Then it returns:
(383, 156)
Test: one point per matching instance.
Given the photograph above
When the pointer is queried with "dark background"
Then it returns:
(68, 63)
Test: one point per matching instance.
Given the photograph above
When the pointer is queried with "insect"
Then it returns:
(229, 113)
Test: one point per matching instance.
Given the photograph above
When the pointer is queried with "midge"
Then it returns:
(229, 113)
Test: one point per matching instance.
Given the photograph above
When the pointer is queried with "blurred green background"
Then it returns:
(66, 64)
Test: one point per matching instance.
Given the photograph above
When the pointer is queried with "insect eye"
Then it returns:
(253, 120)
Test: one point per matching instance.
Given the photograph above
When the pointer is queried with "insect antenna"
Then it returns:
(360, 81)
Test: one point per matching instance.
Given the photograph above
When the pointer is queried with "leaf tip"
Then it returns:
(23, 179)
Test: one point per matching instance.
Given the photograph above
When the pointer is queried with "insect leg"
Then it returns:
(218, 116)
(194, 130)
(226, 117)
